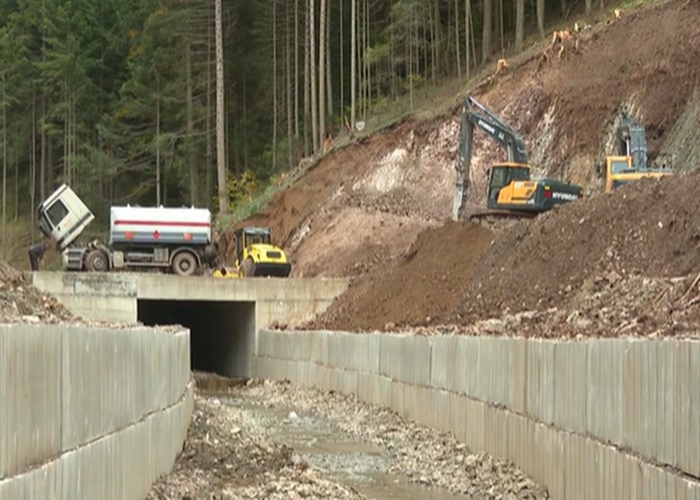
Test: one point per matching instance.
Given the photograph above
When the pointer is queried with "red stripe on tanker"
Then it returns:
(159, 223)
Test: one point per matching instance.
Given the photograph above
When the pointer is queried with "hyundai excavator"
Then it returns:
(512, 194)
(631, 162)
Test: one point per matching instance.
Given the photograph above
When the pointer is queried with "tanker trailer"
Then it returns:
(175, 239)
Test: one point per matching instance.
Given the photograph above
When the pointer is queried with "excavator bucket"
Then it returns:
(272, 269)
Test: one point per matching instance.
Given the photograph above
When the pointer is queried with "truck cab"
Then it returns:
(63, 217)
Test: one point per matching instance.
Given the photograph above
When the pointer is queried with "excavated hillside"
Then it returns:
(363, 205)
(624, 262)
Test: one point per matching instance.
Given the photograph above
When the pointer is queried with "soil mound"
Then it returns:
(22, 301)
(623, 263)
(651, 228)
(425, 283)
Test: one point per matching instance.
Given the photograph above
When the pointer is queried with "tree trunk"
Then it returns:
(43, 186)
(275, 111)
(322, 73)
(329, 74)
(32, 164)
(5, 239)
(501, 31)
(368, 74)
(341, 54)
(486, 34)
(589, 6)
(437, 40)
(540, 17)
(220, 110)
(209, 148)
(296, 69)
(467, 35)
(312, 67)
(353, 62)
(519, 24)
(290, 90)
(190, 126)
(458, 42)
(158, 188)
(307, 83)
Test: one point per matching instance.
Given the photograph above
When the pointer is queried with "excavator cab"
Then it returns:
(511, 190)
(505, 175)
(257, 256)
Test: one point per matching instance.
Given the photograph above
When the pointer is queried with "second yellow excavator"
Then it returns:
(631, 163)
(512, 193)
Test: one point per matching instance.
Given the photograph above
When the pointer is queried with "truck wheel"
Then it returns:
(184, 264)
(248, 268)
(96, 261)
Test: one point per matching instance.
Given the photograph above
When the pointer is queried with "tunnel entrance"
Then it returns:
(222, 334)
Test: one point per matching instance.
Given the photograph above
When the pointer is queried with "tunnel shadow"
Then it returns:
(222, 334)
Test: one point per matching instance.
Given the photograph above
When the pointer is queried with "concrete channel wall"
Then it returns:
(596, 419)
(88, 413)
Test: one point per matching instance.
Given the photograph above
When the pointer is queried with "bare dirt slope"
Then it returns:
(628, 262)
(365, 203)
(427, 282)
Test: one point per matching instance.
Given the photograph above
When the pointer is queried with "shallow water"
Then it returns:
(343, 458)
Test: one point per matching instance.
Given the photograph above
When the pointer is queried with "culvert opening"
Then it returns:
(222, 334)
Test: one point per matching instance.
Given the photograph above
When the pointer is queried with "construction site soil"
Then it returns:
(376, 210)
(618, 263)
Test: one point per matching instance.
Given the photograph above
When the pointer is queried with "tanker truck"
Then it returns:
(168, 239)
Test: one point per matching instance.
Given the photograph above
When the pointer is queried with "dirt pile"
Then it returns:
(22, 301)
(650, 229)
(611, 264)
(428, 281)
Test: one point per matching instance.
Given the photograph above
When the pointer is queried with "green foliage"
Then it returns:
(250, 203)
(241, 189)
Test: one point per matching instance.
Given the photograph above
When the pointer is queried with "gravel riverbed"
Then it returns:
(275, 440)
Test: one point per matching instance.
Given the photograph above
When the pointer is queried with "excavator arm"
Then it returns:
(474, 115)
(632, 141)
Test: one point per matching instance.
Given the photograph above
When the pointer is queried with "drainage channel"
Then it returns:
(342, 458)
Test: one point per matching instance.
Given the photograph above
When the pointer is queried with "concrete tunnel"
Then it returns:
(222, 334)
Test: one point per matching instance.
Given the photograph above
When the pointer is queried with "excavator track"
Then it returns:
(499, 220)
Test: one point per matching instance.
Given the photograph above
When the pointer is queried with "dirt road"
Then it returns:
(275, 440)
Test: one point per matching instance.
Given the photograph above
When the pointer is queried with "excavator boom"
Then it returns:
(512, 194)
(474, 114)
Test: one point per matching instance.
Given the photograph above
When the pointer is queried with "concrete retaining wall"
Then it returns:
(604, 419)
(90, 413)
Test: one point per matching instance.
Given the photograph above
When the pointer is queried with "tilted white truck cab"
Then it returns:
(178, 239)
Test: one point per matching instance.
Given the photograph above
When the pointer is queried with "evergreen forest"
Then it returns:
(118, 98)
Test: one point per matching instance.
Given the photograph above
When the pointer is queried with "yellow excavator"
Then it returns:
(512, 193)
(631, 163)
(256, 256)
